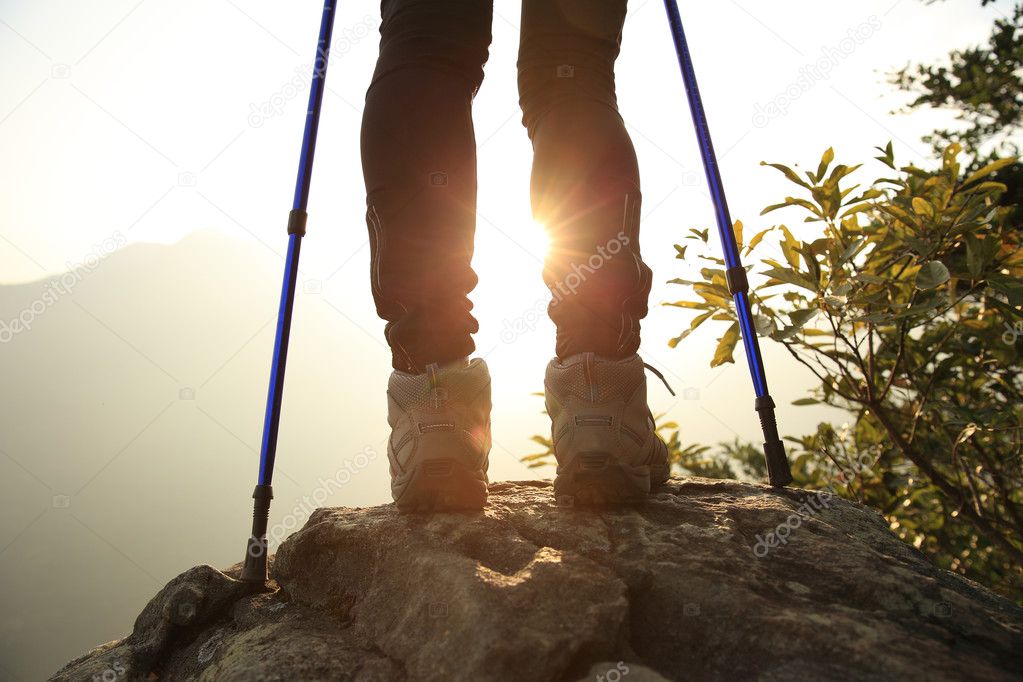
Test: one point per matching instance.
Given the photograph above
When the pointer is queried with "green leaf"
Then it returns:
(836, 301)
(783, 334)
(793, 201)
(700, 319)
(806, 401)
(697, 321)
(966, 434)
(987, 170)
(680, 251)
(764, 325)
(813, 268)
(790, 277)
(840, 172)
(790, 247)
(888, 156)
(1010, 286)
(826, 160)
(857, 208)
(842, 289)
(756, 240)
(989, 187)
(876, 318)
(921, 308)
(789, 173)
(801, 317)
(932, 274)
(851, 251)
(923, 207)
(979, 253)
(726, 346)
(713, 296)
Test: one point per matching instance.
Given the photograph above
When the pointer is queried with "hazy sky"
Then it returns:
(127, 121)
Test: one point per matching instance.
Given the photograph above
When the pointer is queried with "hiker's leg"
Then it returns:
(585, 181)
(419, 162)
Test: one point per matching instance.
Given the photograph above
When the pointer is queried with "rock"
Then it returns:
(709, 580)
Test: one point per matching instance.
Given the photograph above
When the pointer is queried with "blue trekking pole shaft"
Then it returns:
(255, 566)
(738, 285)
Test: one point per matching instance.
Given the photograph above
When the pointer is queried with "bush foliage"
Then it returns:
(904, 303)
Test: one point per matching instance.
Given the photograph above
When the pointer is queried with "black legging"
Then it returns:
(419, 161)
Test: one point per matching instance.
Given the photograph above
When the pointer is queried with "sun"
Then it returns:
(509, 249)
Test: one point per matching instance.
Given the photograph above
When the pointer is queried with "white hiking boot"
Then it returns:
(603, 432)
(440, 436)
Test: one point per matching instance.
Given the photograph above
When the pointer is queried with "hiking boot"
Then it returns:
(440, 436)
(603, 433)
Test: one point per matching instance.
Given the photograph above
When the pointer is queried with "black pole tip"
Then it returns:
(774, 450)
(778, 472)
(254, 570)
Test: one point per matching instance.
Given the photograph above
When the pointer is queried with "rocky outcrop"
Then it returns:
(709, 580)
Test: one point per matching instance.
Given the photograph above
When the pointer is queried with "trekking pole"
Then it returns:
(255, 566)
(738, 286)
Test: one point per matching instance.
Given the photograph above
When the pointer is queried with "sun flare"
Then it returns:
(507, 248)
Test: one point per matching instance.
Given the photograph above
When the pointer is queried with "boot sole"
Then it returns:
(441, 485)
(598, 480)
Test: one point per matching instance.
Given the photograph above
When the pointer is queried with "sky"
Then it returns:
(135, 128)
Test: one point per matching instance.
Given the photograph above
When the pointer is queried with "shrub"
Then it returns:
(905, 304)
